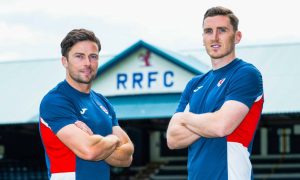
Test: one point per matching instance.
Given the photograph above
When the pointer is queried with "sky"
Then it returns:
(33, 29)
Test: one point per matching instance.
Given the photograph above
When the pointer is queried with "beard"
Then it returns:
(83, 81)
(80, 78)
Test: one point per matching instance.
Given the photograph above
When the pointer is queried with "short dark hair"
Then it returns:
(222, 11)
(75, 36)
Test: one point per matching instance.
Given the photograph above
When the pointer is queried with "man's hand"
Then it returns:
(179, 136)
(122, 156)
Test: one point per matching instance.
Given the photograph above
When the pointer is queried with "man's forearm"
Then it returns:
(216, 124)
(85, 146)
(205, 125)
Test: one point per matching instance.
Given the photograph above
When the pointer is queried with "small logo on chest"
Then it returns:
(83, 111)
(104, 109)
(221, 82)
(199, 87)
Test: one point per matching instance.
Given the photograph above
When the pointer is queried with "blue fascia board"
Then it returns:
(145, 106)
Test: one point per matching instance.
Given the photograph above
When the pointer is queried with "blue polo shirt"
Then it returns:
(62, 106)
(226, 157)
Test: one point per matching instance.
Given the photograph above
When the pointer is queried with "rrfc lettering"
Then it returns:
(137, 79)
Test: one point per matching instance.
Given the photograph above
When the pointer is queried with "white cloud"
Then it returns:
(9, 56)
(170, 24)
(10, 33)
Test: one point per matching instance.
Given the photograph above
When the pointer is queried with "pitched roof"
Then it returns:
(24, 83)
(187, 62)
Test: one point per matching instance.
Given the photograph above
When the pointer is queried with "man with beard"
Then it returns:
(78, 126)
(218, 112)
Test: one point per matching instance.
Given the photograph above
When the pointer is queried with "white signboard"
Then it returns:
(143, 72)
